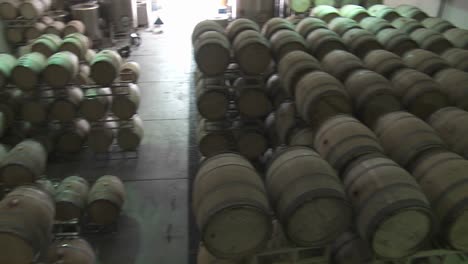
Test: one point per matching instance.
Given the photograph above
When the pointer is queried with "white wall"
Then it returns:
(456, 11)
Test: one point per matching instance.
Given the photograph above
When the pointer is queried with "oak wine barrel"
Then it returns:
(360, 42)
(425, 61)
(96, 103)
(396, 41)
(105, 200)
(457, 58)
(8, 64)
(125, 101)
(341, 64)
(322, 41)
(252, 52)
(431, 40)
(407, 25)
(384, 62)
(454, 83)
(27, 72)
(375, 24)
(458, 37)
(71, 138)
(65, 107)
(71, 250)
(102, 135)
(70, 198)
(130, 134)
(411, 12)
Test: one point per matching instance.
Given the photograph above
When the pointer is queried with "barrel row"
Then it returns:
(28, 9)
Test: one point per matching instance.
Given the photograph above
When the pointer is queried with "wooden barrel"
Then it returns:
(370, 3)
(309, 24)
(8, 64)
(126, 101)
(61, 69)
(27, 219)
(384, 62)
(406, 24)
(10, 105)
(47, 44)
(325, 12)
(72, 250)
(251, 141)
(425, 61)
(212, 99)
(239, 25)
(96, 103)
(299, 6)
(65, 108)
(212, 53)
(333, 3)
(56, 28)
(375, 24)
(74, 26)
(404, 137)
(270, 130)
(206, 26)
(105, 200)
(354, 11)
(341, 64)
(275, 24)
(431, 40)
(214, 138)
(32, 9)
(227, 188)
(372, 96)
(302, 136)
(252, 99)
(360, 42)
(78, 44)
(341, 139)
(384, 12)
(35, 109)
(323, 41)
(35, 31)
(15, 35)
(102, 135)
(285, 121)
(276, 92)
(450, 125)
(349, 248)
(23, 164)
(46, 186)
(130, 72)
(205, 257)
(83, 78)
(458, 37)
(392, 213)
(9, 9)
(71, 138)
(419, 93)
(411, 12)
(70, 198)
(26, 74)
(89, 57)
(285, 41)
(293, 66)
(457, 58)
(105, 67)
(438, 24)
(130, 134)
(442, 177)
(320, 96)
(341, 25)
(304, 188)
(396, 41)
(252, 52)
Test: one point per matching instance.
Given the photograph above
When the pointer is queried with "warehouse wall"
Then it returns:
(456, 11)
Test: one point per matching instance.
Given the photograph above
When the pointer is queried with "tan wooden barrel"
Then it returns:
(46, 186)
(293, 66)
(105, 67)
(47, 44)
(231, 207)
(105, 200)
(89, 57)
(341, 64)
(130, 134)
(32, 9)
(252, 99)
(456, 57)
(23, 164)
(442, 176)
(308, 196)
(35, 31)
(392, 213)
(36, 109)
(458, 37)
(302, 137)
(276, 92)
(27, 219)
(74, 26)
(130, 72)
(251, 141)
(396, 41)
(83, 78)
(212, 53)
(206, 26)
(369, 3)
(285, 121)
(71, 138)
(375, 24)
(360, 42)
(419, 93)
(8, 64)
(341, 139)
(354, 11)
(9, 9)
(126, 101)
(425, 61)
(309, 24)
(212, 99)
(372, 96)
(96, 103)
(450, 124)
(56, 28)
(325, 12)
(285, 41)
(65, 108)
(46, 19)
(320, 96)
(454, 83)
(70, 198)
(299, 6)
(411, 12)
(72, 250)
(431, 40)
(333, 3)
(78, 44)
(383, 11)
(275, 24)
(252, 52)
(438, 24)
(341, 25)
(405, 137)
(323, 41)
(102, 135)
(213, 138)
(10, 105)
(239, 25)
(205, 257)
(406, 24)
(61, 69)
(384, 62)
(15, 35)
(349, 248)
(26, 73)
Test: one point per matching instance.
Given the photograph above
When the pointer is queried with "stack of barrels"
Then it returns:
(376, 100)
(303, 6)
